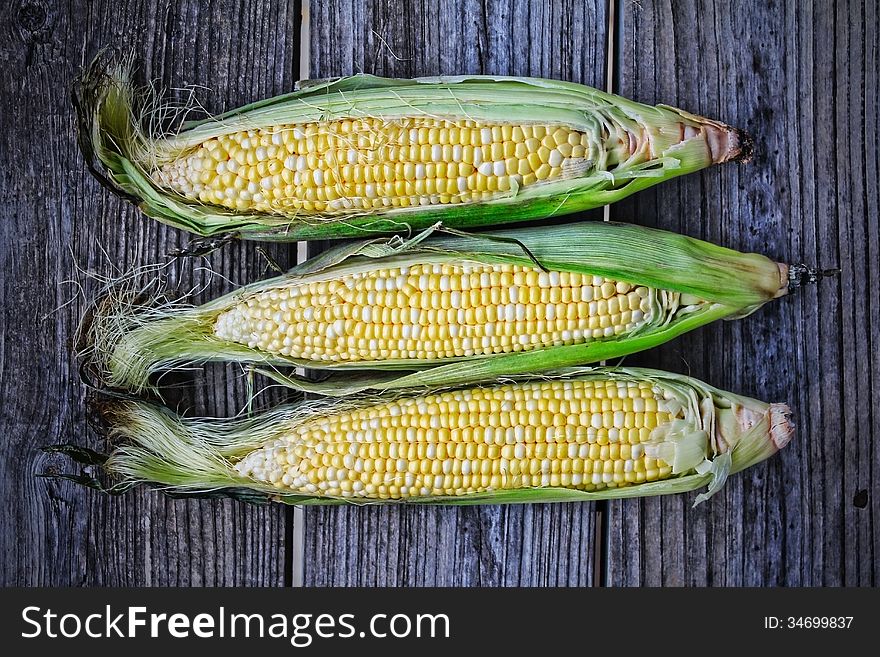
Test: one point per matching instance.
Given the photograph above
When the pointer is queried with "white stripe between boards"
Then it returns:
(297, 537)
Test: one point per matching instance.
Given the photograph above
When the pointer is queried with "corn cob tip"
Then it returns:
(781, 425)
(728, 144)
(753, 432)
(784, 280)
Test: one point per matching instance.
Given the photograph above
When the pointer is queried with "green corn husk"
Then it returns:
(130, 342)
(123, 153)
(719, 433)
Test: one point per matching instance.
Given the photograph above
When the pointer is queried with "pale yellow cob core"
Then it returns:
(435, 311)
(367, 164)
(587, 435)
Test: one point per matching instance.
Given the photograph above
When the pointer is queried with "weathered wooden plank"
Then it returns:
(58, 219)
(802, 78)
(408, 546)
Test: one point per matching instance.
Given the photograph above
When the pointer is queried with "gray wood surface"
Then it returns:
(479, 546)
(58, 220)
(803, 79)
(801, 76)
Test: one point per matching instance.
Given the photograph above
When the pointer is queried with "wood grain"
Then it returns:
(481, 546)
(60, 226)
(802, 78)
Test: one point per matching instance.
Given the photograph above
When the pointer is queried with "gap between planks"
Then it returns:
(296, 565)
(600, 528)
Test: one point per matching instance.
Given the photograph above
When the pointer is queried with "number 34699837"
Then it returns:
(808, 622)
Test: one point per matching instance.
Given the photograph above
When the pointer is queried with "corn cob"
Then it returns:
(434, 312)
(366, 155)
(580, 435)
(458, 307)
